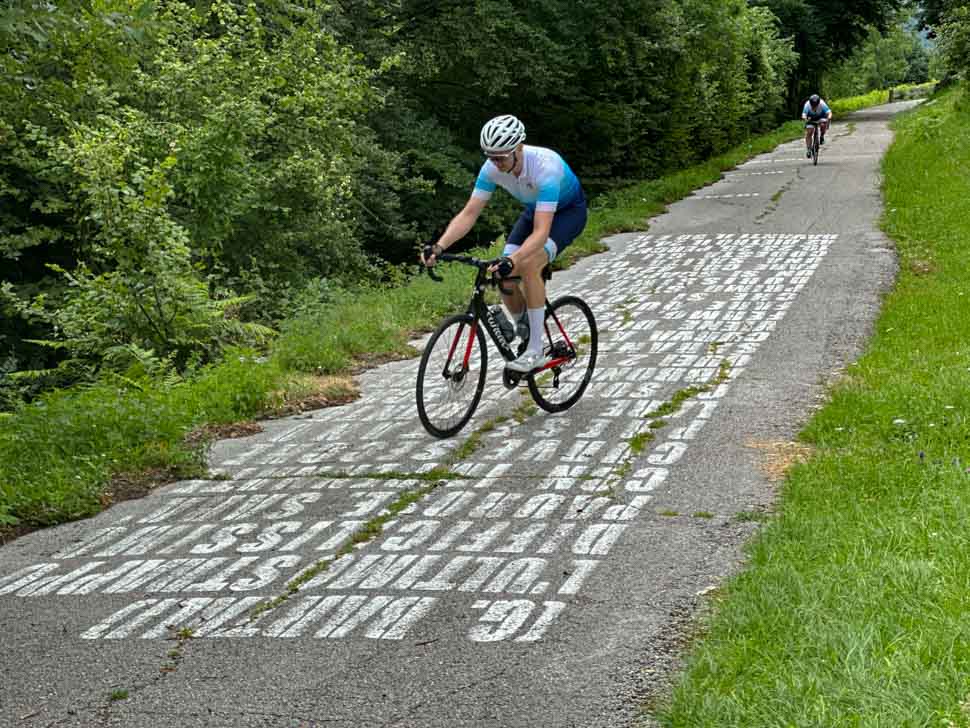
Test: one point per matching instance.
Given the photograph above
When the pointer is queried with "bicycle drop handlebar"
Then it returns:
(479, 263)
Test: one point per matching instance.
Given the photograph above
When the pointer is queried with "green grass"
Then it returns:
(639, 442)
(841, 107)
(853, 609)
(59, 455)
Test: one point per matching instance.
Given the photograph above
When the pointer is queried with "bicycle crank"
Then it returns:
(511, 379)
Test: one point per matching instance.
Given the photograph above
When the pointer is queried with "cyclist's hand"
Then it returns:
(503, 267)
(429, 254)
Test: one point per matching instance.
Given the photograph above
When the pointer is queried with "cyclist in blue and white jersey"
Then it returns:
(815, 111)
(554, 216)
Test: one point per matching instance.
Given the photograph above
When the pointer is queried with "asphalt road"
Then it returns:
(551, 583)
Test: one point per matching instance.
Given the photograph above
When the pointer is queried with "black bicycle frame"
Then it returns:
(478, 309)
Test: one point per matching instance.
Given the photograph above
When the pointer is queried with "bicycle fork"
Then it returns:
(467, 355)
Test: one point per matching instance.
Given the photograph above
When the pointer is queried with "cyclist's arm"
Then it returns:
(463, 222)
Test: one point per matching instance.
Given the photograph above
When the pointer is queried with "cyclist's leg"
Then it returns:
(823, 127)
(515, 302)
(530, 268)
(567, 224)
(809, 131)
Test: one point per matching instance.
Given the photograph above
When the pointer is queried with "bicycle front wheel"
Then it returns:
(570, 339)
(451, 376)
(815, 146)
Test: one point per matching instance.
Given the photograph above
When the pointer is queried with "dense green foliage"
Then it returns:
(825, 32)
(954, 37)
(170, 171)
(153, 160)
(882, 61)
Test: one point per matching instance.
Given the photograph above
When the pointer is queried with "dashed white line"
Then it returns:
(724, 197)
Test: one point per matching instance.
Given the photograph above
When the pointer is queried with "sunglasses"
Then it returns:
(499, 157)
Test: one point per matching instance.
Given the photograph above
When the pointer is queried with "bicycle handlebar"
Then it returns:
(477, 263)
(467, 260)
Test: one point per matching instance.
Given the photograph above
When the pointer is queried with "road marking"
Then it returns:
(508, 554)
(723, 197)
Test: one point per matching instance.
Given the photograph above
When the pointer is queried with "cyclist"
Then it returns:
(554, 215)
(815, 111)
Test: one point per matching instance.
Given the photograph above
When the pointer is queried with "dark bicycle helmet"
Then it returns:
(814, 99)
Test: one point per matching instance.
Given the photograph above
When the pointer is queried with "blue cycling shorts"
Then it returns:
(567, 224)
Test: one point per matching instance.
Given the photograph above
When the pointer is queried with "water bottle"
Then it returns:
(504, 325)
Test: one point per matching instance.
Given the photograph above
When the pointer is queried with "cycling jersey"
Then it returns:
(546, 182)
(818, 113)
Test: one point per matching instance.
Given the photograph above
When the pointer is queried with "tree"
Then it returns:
(825, 32)
(953, 31)
(882, 61)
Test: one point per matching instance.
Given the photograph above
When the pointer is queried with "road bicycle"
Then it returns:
(816, 140)
(451, 376)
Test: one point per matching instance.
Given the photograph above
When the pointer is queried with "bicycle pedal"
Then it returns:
(510, 379)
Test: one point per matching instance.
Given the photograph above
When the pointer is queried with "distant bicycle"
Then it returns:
(451, 376)
(816, 140)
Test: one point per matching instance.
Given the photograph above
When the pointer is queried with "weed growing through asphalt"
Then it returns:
(370, 530)
(751, 517)
(180, 636)
(656, 421)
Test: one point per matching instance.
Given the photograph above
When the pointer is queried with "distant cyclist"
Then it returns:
(554, 216)
(816, 111)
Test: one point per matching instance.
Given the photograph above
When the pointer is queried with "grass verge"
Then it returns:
(853, 609)
(60, 455)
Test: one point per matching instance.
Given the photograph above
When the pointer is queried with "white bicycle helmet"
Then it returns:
(502, 134)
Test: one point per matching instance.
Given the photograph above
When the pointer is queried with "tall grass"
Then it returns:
(58, 453)
(853, 610)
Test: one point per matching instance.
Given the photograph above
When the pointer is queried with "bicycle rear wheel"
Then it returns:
(451, 375)
(571, 335)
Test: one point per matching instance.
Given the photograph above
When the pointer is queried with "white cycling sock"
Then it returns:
(536, 319)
